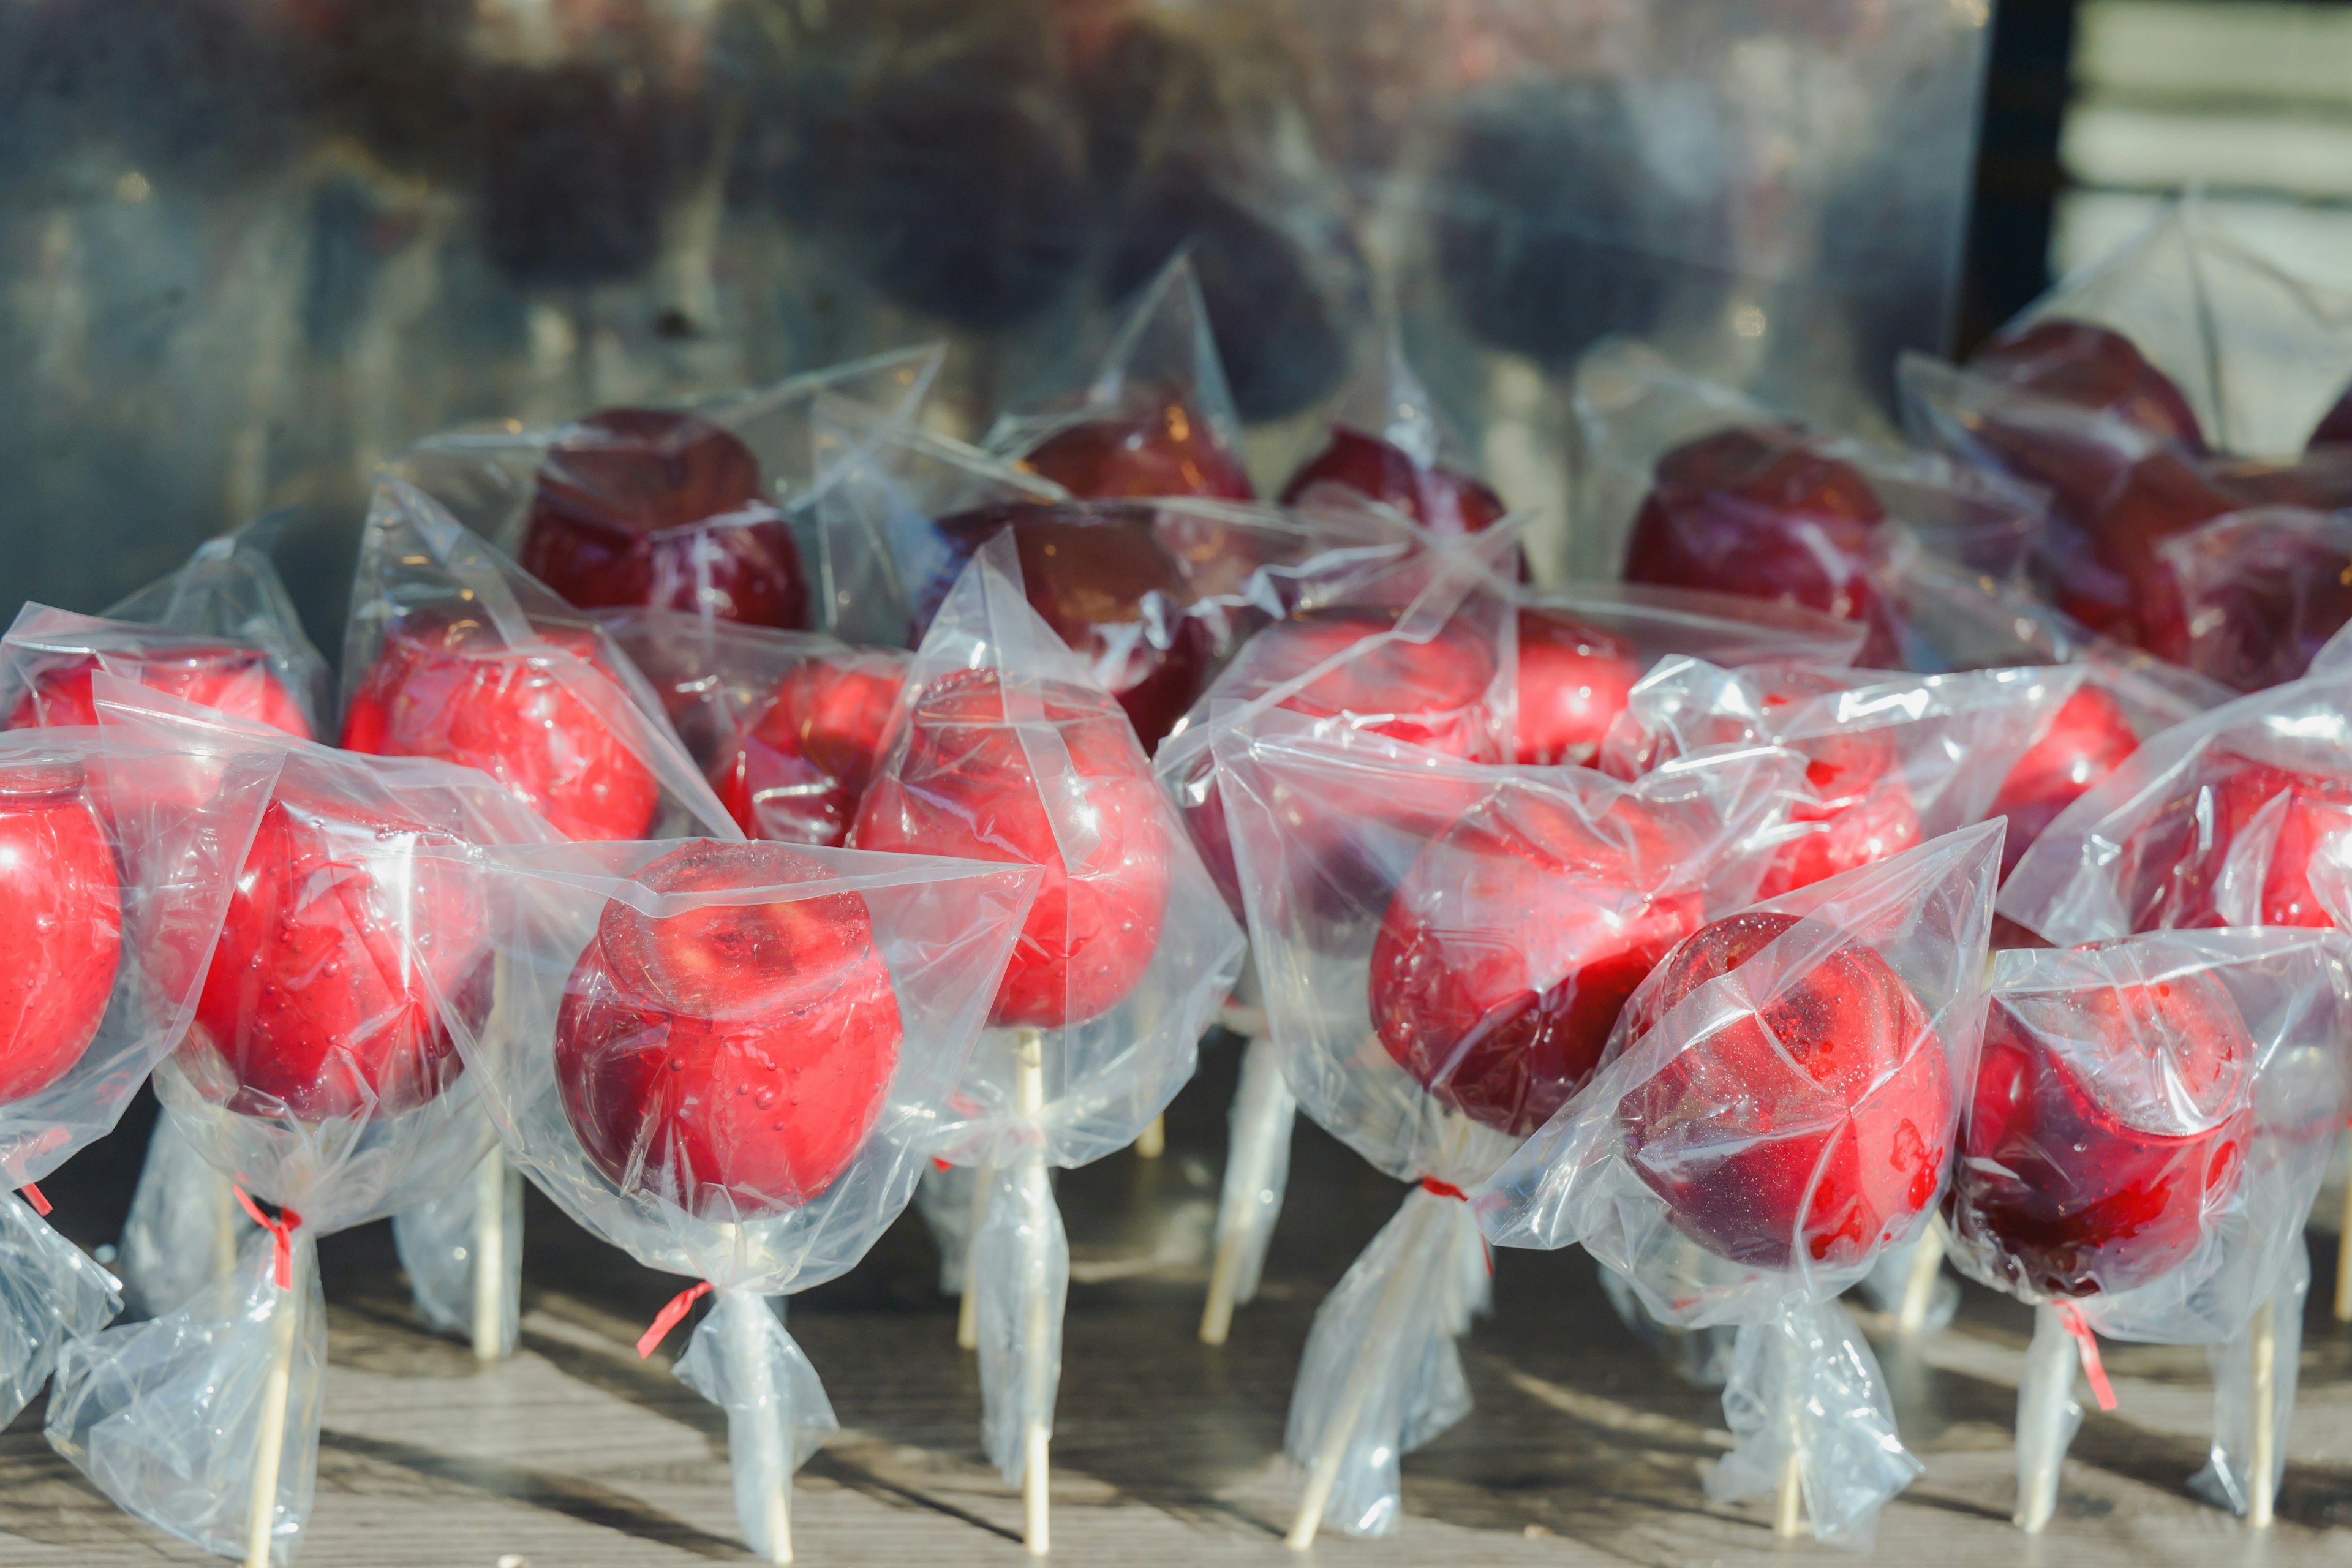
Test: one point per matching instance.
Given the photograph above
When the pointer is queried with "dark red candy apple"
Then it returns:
(2335, 427)
(61, 937)
(2198, 861)
(645, 506)
(448, 687)
(2092, 367)
(1573, 682)
(2249, 599)
(2112, 578)
(320, 1000)
(2107, 1124)
(1811, 1128)
(237, 681)
(730, 1057)
(1169, 450)
(1761, 512)
(2088, 738)
(1860, 808)
(1102, 580)
(1513, 942)
(963, 784)
(1448, 503)
(797, 771)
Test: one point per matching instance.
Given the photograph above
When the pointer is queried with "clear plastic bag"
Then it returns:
(2254, 1377)
(337, 1103)
(2255, 593)
(1478, 925)
(221, 631)
(1389, 444)
(702, 508)
(51, 1294)
(463, 1254)
(2211, 823)
(820, 1077)
(454, 652)
(1892, 760)
(1777, 1108)
(1004, 748)
(947, 1198)
(1151, 416)
(1257, 1172)
(1701, 1357)
(185, 1225)
(786, 725)
(2149, 1124)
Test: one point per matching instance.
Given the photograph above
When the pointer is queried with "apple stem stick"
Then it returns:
(1388, 1323)
(270, 1449)
(2262, 1483)
(1152, 1142)
(1263, 1113)
(490, 1255)
(1919, 1285)
(2046, 1415)
(1036, 1193)
(968, 1309)
(752, 1373)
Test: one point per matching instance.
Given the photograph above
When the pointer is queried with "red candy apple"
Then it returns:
(1513, 942)
(2196, 860)
(338, 936)
(644, 506)
(1761, 512)
(1169, 451)
(2092, 367)
(1102, 579)
(1446, 503)
(963, 784)
(2087, 739)
(1811, 1128)
(2335, 427)
(797, 772)
(731, 1057)
(448, 688)
(1860, 808)
(2106, 1125)
(61, 938)
(1573, 681)
(237, 681)
(2249, 599)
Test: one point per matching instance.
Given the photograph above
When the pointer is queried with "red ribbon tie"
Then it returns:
(666, 1318)
(1438, 1189)
(31, 1194)
(282, 1236)
(2087, 1343)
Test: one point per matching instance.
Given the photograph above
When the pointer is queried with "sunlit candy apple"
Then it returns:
(1860, 808)
(1440, 500)
(2198, 859)
(645, 506)
(797, 771)
(1512, 943)
(1761, 512)
(61, 936)
(339, 934)
(1574, 680)
(2092, 367)
(1810, 1129)
(1169, 451)
(2248, 599)
(448, 687)
(2088, 738)
(237, 681)
(730, 1057)
(1102, 579)
(963, 786)
(2106, 1125)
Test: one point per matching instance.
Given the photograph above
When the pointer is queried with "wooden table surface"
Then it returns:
(1582, 1448)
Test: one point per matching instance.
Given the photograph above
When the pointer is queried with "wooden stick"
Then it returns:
(2344, 1255)
(269, 1451)
(1262, 1114)
(224, 1225)
(1369, 1364)
(2043, 1393)
(968, 1309)
(1788, 1506)
(1919, 1285)
(2262, 1482)
(744, 1338)
(490, 1255)
(1152, 1142)
(1036, 1434)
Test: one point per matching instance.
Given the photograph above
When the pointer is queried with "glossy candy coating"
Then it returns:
(731, 1057)
(2092, 367)
(237, 681)
(1573, 682)
(2184, 865)
(61, 937)
(1861, 809)
(964, 785)
(643, 506)
(2088, 738)
(1811, 1128)
(797, 772)
(1168, 451)
(1448, 503)
(448, 689)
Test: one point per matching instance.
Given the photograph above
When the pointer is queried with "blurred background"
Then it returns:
(250, 249)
